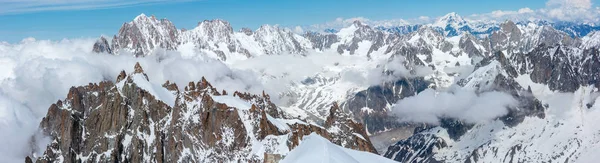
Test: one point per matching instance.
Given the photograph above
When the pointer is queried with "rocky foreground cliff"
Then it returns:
(138, 121)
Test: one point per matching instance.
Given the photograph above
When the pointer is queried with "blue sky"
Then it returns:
(90, 21)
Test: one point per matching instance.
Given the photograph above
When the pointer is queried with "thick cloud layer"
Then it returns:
(35, 74)
(429, 106)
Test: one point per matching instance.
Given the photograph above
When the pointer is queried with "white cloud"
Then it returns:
(584, 4)
(394, 70)
(525, 10)
(555, 10)
(429, 106)
(298, 30)
(25, 6)
(34, 74)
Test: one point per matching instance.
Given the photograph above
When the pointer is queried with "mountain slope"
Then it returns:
(135, 120)
(370, 70)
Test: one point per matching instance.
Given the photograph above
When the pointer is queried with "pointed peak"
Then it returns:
(358, 23)
(216, 25)
(137, 68)
(214, 21)
(102, 37)
(508, 23)
(247, 31)
(203, 80)
(451, 18)
(451, 14)
(141, 16)
(266, 27)
(121, 76)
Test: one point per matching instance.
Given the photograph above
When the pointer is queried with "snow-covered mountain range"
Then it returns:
(425, 93)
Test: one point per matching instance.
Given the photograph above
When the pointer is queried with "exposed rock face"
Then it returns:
(516, 40)
(146, 33)
(422, 146)
(562, 68)
(418, 148)
(362, 32)
(507, 51)
(277, 41)
(338, 121)
(321, 41)
(102, 46)
(124, 122)
(372, 106)
(212, 35)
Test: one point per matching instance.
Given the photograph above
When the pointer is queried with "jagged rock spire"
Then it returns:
(102, 46)
(137, 69)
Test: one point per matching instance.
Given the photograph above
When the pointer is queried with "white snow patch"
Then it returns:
(158, 91)
(315, 148)
(282, 126)
(232, 101)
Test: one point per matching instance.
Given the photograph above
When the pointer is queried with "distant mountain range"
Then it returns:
(535, 62)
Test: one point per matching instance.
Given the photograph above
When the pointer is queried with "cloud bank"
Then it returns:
(555, 10)
(429, 106)
(35, 74)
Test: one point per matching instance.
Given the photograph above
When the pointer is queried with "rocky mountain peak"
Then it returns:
(141, 17)
(142, 35)
(137, 68)
(359, 23)
(267, 28)
(102, 46)
(247, 31)
(450, 19)
(336, 114)
(214, 29)
(592, 40)
(122, 75)
(128, 123)
(275, 40)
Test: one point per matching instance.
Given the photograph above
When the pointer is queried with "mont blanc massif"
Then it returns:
(452, 90)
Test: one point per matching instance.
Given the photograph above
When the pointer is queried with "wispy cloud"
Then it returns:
(28, 6)
(555, 10)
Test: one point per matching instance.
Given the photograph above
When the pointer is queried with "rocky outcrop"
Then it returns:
(418, 148)
(372, 106)
(340, 122)
(126, 122)
(362, 32)
(562, 68)
(102, 46)
(321, 41)
(276, 41)
(144, 34)
(513, 39)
